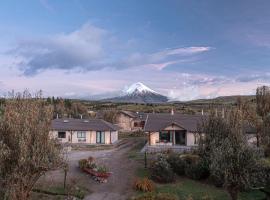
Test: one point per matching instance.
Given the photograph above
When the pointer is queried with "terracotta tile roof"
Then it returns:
(70, 124)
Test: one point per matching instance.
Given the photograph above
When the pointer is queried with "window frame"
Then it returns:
(80, 136)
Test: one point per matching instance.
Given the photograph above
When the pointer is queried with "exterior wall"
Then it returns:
(54, 134)
(190, 139)
(125, 122)
(154, 137)
(114, 135)
(90, 137)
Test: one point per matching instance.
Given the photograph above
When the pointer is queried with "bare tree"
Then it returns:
(26, 149)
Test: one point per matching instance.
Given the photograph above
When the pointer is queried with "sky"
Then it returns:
(184, 49)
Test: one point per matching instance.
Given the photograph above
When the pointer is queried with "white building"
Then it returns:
(84, 131)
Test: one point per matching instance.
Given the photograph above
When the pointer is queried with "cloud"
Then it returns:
(92, 48)
(79, 49)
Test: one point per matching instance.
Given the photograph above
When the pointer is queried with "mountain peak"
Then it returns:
(139, 93)
(138, 88)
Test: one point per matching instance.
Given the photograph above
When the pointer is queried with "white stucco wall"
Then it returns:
(154, 138)
(190, 139)
(114, 135)
(90, 137)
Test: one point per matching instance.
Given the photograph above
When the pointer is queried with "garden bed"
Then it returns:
(99, 173)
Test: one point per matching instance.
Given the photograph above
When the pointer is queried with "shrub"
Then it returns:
(177, 164)
(83, 163)
(161, 170)
(267, 151)
(196, 167)
(217, 179)
(144, 185)
(102, 169)
(165, 196)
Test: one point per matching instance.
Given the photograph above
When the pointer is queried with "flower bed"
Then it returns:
(99, 173)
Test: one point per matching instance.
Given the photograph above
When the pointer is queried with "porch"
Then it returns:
(166, 147)
(168, 138)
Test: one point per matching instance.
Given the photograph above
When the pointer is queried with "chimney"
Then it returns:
(57, 116)
(202, 111)
(81, 116)
(172, 112)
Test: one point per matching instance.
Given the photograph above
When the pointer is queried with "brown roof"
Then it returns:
(70, 124)
(136, 115)
(159, 121)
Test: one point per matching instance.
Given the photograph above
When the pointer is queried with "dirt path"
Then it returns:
(119, 185)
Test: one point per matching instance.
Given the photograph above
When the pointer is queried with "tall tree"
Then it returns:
(26, 149)
(230, 156)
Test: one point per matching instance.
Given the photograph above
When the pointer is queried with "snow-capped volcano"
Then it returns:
(139, 93)
(138, 88)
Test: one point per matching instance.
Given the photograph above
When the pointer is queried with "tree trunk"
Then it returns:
(233, 193)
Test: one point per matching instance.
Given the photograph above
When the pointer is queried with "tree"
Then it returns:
(78, 109)
(110, 116)
(229, 155)
(26, 149)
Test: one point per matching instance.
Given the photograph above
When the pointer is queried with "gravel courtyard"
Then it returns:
(119, 185)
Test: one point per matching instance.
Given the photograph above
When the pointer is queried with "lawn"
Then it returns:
(185, 187)
(54, 192)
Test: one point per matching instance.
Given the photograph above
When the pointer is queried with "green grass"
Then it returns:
(186, 187)
(142, 172)
(79, 192)
(135, 152)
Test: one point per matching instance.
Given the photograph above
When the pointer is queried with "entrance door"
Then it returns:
(180, 137)
(100, 137)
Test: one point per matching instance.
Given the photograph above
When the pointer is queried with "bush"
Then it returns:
(144, 185)
(195, 167)
(217, 180)
(161, 170)
(177, 164)
(83, 163)
(267, 151)
(102, 169)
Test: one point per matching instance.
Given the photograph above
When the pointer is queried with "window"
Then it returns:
(61, 134)
(165, 136)
(100, 137)
(81, 135)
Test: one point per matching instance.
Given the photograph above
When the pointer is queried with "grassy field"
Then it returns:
(185, 188)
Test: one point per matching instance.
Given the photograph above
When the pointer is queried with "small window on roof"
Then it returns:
(66, 121)
(85, 121)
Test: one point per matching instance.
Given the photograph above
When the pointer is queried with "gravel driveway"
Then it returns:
(119, 185)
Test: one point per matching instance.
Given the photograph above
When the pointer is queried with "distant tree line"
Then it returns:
(67, 108)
